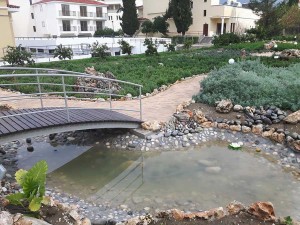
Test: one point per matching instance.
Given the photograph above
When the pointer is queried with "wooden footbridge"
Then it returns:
(43, 84)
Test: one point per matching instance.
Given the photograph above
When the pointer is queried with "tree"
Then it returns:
(16, 56)
(147, 27)
(291, 19)
(63, 52)
(125, 47)
(270, 13)
(130, 23)
(151, 47)
(181, 12)
(99, 50)
(160, 24)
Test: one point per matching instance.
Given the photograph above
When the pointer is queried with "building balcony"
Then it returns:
(13, 8)
(93, 16)
(67, 13)
(70, 29)
(88, 29)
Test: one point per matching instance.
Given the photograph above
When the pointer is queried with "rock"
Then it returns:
(238, 108)
(235, 207)
(224, 106)
(263, 211)
(6, 218)
(269, 45)
(213, 169)
(235, 127)
(70, 138)
(182, 117)
(151, 125)
(208, 124)
(128, 96)
(296, 146)
(293, 118)
(177, 214)
(246, 129)
(86, 221)
(223, 126)
(278, 137)
(290, 53)
(257, 129)
(268, 133)
(206, 162)
(24, 220)
(199, 116)
(28, 140)
(266, 120)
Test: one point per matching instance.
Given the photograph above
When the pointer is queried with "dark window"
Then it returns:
(34, 29)
(99, 25)
(99, 12)
(32, 16)
(83, 26)
(83, 11)
(192, 4)
(117, 53)
(205, 0)
(30, 1)
(65, 10)
(232, 27)
(66, 25)
(204, 13)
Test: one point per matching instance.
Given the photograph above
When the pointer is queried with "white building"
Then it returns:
(115, 14)
(59, 18)
(209, 16)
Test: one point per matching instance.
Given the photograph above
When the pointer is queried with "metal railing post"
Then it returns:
(110, 90)
(40, 89)
(65, 97)
(140, 97)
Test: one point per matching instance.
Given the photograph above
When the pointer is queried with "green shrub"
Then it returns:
(170, 47)
(251, 83)
(99, 50)
(248, 46)
(125, 47)
(226, 39)
(16, 56)
(151, 47)
(33, 183)
(181, 39)
(187, 44)
(108, 32)
(63, 52)
(147, 27)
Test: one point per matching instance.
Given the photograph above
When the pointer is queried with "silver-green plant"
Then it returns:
(33, 183)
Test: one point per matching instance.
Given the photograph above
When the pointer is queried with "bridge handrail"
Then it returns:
(107, 90)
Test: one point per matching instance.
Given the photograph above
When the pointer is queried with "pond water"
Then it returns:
(196, 179)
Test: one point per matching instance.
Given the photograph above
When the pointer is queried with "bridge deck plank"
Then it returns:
(39, 118)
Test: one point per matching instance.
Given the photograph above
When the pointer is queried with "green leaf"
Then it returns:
(16, 199)
(20, 176)
(35, 204)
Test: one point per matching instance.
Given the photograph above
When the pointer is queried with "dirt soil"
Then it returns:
(242, 218)
(210, 111)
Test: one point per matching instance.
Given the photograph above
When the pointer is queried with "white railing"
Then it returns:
(46, 82)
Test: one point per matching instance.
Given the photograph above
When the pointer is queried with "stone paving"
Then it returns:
(165, 101)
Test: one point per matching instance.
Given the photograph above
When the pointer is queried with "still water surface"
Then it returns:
(210, 176)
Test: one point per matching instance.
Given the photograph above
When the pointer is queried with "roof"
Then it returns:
(86, 2)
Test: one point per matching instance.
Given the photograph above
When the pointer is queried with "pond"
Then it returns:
(204, 177)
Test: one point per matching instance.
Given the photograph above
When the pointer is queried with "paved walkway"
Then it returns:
(158, 107)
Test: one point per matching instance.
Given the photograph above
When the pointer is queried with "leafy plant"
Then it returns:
(63, 52)
(170, 47)
(161, 25)
(125, 47)
(147, 27)
(108, 32)
(33, 183)
(16, 56)
(288, 220)
(151, 47)
(187, 44)
(99, 50)
(226, 39)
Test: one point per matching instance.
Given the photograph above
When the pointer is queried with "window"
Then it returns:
(83, 11)
(34, 29)
(83, 26)
(204, 13)
(66, 25)
(43, 23)
(99, 12)
(109, 17)
(192, 4)
(99, 25)
(41, 8)
(32, 16)
(110, 7)
(30, 1)
(232, 27)
(65, 10)
(205, 0)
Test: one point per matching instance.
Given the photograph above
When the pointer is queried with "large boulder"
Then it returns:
(6, 218)
(263, 211)
(235, 207)
(151, 125)
(290, 53)
(293, 118)
(199, 116)
(269, 45)
(224, 106)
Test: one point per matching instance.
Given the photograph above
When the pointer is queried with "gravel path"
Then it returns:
(165, 101)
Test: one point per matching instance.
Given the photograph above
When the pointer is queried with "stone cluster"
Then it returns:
(290, 53)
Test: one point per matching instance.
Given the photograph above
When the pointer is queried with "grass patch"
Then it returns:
(251, 83)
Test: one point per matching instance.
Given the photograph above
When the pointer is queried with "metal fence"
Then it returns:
(59, 84)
